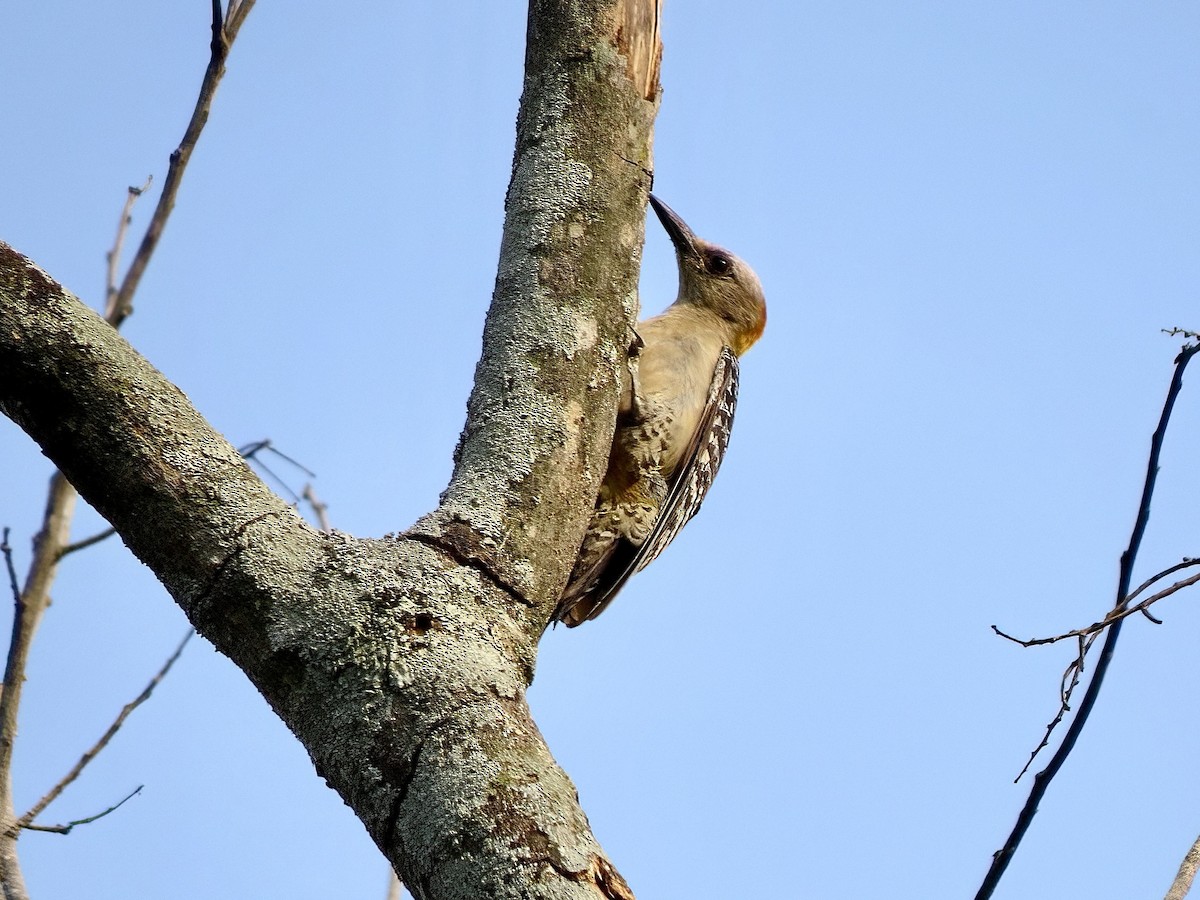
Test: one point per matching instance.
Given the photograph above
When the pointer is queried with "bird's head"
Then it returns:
(712, 278)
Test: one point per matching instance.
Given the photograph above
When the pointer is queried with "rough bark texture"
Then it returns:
(402, 664)
(571, 247)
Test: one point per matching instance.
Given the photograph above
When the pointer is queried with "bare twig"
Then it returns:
(6, 549)
(251, 452)
(235, 16)
(1118, 612)
(1087, 636)
(1186, 563)
(395, 887)
(29, 605)
(1186, 874)
(1066, 687)
(1041, 781)
(26, 820)
(113, 257)
(66, 829)
(224, 31)
(320, 509)
(1071, 675)
(87, 542)
(51, 543)
(31, 602)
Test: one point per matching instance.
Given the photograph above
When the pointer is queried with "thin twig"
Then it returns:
(26, 820)
(31, 603)
(1066, 687)
(224, 31)
(87, 542)
(1186, 874)
(1114, 614)
(320, 509)
(113, 257)
(1041, 781)
(235, 16)
(250, 452)
(1185, 563)
(66, 829)
(1071, 675)
(14, 587)
(395, 887)
(6, 549)
(1086, 637)
(56, 522)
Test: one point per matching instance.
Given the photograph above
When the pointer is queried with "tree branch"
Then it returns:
(1120, 611)
(1041, 781)
(87, 542)
(51, 544)
(70, 826)
(565, 298)
(319, 507)
(401, 669)
(224, 32)
(30, 603)
(1186, 874)
(113, 257)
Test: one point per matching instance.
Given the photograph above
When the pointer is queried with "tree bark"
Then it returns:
(402, 664)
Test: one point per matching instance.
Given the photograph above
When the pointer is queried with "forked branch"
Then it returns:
(225, 27)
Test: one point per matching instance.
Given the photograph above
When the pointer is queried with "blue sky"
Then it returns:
(971, 221)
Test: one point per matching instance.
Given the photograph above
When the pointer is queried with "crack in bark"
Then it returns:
(649, 173)
(407, 772)
(210, 587)
(467, 557)
(405, 783)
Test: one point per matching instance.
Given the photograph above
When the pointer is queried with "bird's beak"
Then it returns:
(681, 235)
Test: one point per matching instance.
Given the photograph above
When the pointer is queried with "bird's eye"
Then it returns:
(718, 264)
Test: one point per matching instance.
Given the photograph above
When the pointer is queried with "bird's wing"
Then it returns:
(693, 477)
(698, 466)
(591, 590)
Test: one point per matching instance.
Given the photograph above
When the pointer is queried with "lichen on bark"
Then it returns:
(402, 664)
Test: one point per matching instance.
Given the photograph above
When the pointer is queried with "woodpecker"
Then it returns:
(674, 419)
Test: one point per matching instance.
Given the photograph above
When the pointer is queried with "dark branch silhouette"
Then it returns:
(1041, 781)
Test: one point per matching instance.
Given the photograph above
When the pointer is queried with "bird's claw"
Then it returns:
(631, 361)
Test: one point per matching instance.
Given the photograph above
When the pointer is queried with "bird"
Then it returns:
(673, 422)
